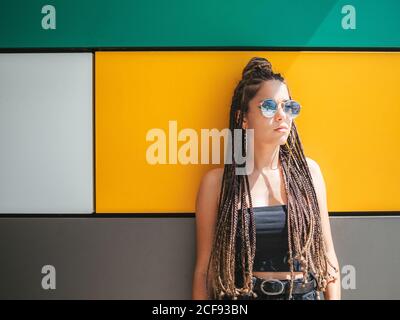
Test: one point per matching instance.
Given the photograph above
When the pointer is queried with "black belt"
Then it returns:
(272, 287)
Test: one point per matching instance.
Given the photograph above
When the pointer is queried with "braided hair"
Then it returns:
(305, 238)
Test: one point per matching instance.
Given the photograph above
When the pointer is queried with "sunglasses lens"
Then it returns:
(292, 108)
(268, 107)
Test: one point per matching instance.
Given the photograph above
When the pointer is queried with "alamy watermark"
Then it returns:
(164, 149)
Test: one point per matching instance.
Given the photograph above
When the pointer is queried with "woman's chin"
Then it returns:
(283, 140)
(277, 139)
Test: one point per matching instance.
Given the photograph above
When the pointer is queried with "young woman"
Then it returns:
(266, 234)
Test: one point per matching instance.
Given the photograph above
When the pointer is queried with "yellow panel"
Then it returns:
(348, 123)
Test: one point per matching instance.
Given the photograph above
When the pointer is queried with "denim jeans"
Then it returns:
(311, 294)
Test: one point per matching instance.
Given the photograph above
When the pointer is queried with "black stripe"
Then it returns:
(194, 48)
(352, 214)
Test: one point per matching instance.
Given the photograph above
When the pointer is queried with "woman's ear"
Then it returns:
(245, 122)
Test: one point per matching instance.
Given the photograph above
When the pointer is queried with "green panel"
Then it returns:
(199, 23)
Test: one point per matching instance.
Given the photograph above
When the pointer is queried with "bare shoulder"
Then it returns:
(314, 168)
(211, 181)
(209, 188)
(312, 164)
(319, 183)
(213, 176)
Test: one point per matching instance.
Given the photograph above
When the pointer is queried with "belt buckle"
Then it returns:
(272, 293)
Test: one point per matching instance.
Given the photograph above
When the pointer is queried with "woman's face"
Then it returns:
(264, 128)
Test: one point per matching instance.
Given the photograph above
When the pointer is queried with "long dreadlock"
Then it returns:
(305, 239)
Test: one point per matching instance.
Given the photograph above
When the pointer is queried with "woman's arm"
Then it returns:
(206, 213)
(333, 290)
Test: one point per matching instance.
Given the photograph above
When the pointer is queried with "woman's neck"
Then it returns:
(266, 157)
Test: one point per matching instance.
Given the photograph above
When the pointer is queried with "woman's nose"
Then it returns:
(280, 113)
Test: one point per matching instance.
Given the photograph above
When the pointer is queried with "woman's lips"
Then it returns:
(281, 129)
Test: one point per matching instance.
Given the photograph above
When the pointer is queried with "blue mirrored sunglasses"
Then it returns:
(269, 107)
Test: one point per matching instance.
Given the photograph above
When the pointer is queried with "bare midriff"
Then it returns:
(277, 275)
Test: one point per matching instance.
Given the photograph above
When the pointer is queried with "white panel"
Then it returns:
(46, 133)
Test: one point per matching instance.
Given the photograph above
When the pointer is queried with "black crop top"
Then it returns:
(271, 239)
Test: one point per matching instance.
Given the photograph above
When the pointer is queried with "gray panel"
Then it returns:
(97, 258)
(153, 258)
(371, 245)
(46, 162)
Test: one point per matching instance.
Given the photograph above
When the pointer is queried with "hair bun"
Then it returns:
(256, 67)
